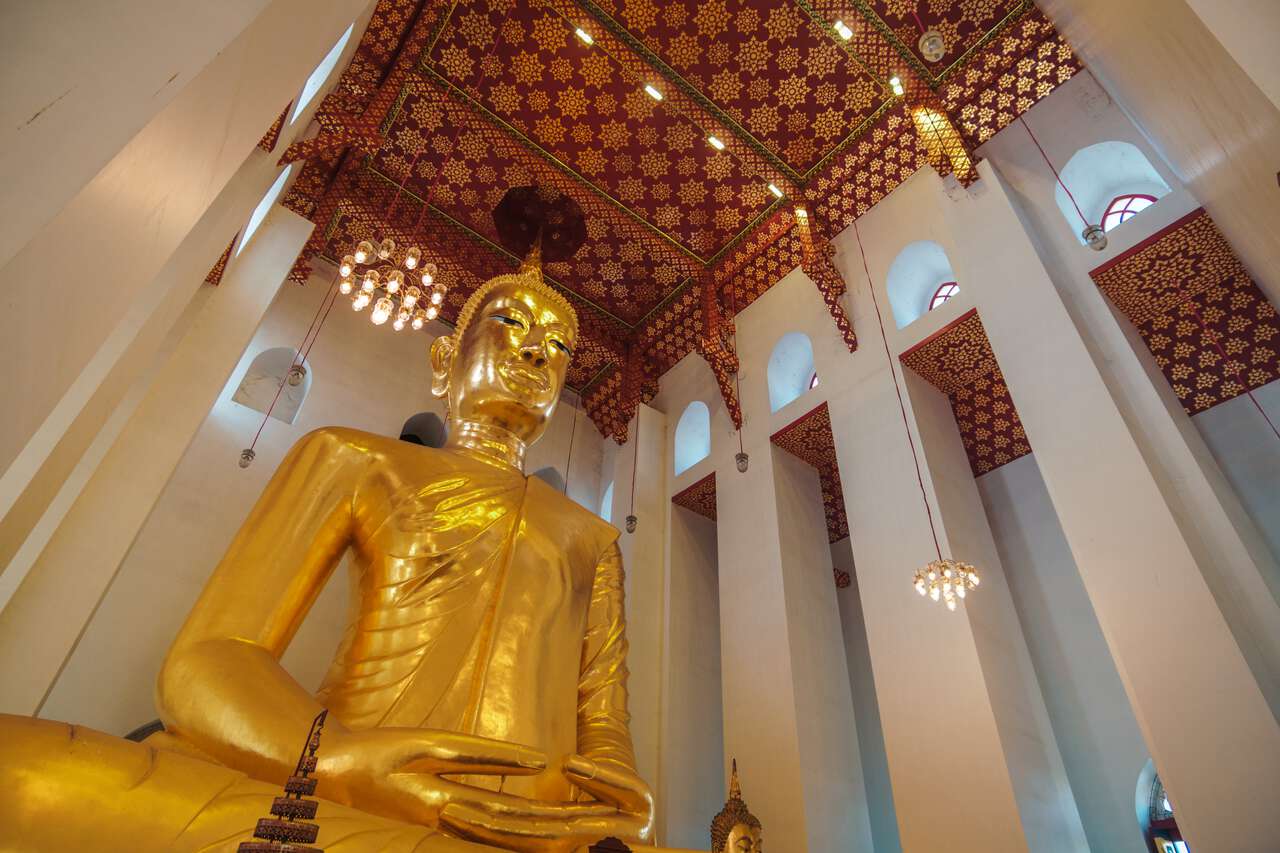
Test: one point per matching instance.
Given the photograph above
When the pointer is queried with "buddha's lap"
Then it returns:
(71, 788)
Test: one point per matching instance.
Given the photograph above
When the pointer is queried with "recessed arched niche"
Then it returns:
(606, 503)
(425, 428)
(1110, 181)
(693, 436)
(261, 382)
(916, 281)
(791, 371)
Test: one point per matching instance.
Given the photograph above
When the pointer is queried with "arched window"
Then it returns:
(1124, 207)
(264, 207)
(945, 291)
(790, 371)
(693, 436)
(606, 503)
(916, 278)
(1101, 175)
(262, 380)
(321, 74)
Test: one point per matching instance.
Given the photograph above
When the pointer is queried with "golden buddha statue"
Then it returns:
(478, 698)
(735, 829)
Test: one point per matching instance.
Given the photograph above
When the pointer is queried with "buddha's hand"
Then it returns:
(623, 809)
(398, 772)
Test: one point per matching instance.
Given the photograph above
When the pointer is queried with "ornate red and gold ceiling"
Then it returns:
(689, 197)
(959, 362)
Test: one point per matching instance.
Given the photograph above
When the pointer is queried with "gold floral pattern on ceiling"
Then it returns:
(958, 361)
(1212, 332)
(700, 497)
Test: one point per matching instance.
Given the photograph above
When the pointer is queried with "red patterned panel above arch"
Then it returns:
(809, 439)
(700, 497)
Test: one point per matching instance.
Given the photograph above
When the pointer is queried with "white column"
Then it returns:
(43, 621)
(1247, 29)
(788, 711)
(643, 559)
(101, 225)
(940, 731)
(1211, 732)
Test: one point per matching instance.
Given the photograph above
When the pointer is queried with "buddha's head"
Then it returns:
(735, 829)
(505, 363)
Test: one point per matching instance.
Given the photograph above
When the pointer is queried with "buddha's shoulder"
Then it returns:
(557, 503)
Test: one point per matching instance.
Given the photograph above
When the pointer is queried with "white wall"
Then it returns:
(1099, 738)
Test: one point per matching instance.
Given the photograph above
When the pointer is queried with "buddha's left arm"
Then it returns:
(603, 730)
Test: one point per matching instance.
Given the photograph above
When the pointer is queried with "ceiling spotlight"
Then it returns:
(932, 46)
(802, 213)
(652, 92)
(896, 84)
(777, 193)
(715, 143)
(843, 29)
(584, 35)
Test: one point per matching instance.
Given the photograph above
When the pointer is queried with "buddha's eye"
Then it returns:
(562, 346)
(508, 321)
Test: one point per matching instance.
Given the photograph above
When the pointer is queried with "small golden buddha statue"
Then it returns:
(478, 698)
(735, 829)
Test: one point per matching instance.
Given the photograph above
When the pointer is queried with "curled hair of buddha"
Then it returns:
(734, 812)
(529, 275)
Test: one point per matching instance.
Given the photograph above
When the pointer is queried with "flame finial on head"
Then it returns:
(735, 812)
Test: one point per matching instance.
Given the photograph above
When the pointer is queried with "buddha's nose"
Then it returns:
(535, 355)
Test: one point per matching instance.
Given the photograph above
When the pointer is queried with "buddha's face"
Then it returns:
(509, 366)
(743, 839)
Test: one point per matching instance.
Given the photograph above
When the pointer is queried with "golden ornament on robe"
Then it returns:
(478, 698)
(735, 829)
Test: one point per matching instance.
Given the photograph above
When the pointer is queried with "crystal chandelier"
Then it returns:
(947, 580)
(373, 275)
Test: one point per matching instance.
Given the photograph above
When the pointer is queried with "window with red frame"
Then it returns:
(945, 291)
(1125, 207)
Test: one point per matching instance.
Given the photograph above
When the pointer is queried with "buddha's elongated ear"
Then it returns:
(442, 353)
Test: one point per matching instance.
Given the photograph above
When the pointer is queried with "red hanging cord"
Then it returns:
(1056, 176)
(901, 405)
(737, 374)
(916, 14)
(635, 459)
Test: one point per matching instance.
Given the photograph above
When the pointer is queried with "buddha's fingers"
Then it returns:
(442, 752)
(610, 783)
(533, 834)
(452, 792)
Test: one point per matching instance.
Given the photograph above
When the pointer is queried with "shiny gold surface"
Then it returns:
(479, 691)
(735, 829)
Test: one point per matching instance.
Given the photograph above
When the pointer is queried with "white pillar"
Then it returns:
(643, 560)
(1210, 729)
(940, 731)
(102, 223)
(788, 711)
(43, 621)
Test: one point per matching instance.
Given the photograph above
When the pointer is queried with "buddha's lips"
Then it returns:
(520, 375)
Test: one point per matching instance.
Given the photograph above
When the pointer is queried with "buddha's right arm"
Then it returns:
(221, 687)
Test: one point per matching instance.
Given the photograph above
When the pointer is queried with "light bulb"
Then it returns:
(946, 587)
(631, 523)
(934, 593)
(345, 286)
(371, 281)
(381, 311)
(246, 457)
(960, 591)
(426, 279)
(432, 312)
(951, 604)
(361, 300)
(386, 248)
(946, 573)
(436, 297)
(395, 278)
(895, 83)
(973, 578)
(398, 325)
(742, 461)
(920, 588)
(430, 269)
(419, 319)
(411, 296)
(933, 575)
(348, 265)
(296, 374)
(843, 29)
(364, 251)
(777, 193)
(412, 257)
